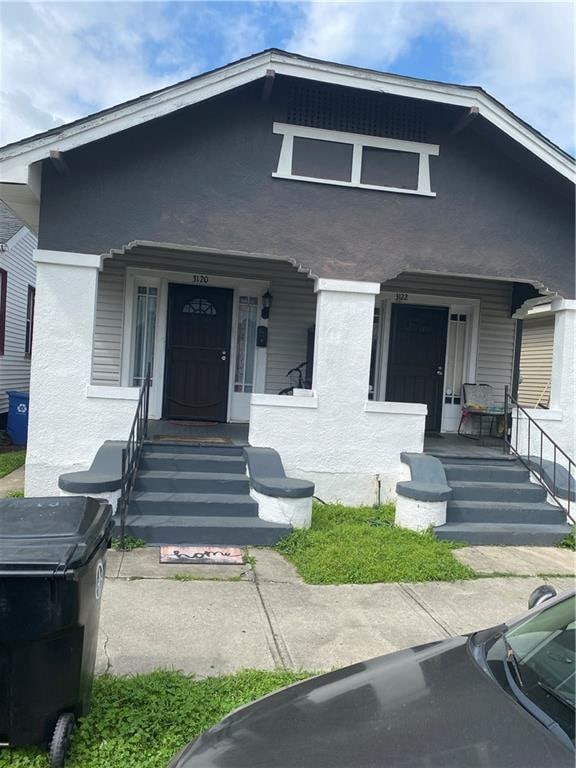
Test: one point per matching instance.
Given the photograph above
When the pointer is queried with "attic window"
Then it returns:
(354, 160)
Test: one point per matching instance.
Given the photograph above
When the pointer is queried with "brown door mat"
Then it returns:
(201, 555)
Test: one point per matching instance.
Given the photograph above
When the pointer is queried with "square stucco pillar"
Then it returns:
(563, 384)
(343, 342)
(65, 427)
(346, 444)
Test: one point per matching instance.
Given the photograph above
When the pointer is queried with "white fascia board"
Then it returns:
(212, 84)
(13, 158)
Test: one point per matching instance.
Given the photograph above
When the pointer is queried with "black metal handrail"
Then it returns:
(133, 451)
(546, 450)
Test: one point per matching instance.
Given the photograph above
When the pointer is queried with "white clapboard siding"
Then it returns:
(293, 308)
(536, 360)
(496, 330)
(16, 260)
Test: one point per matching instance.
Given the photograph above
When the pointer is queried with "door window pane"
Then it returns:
(246, 345)
(144, 331)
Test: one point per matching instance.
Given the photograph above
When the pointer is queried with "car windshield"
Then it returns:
(544, 650)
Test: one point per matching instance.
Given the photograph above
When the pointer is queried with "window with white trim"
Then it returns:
(455, 358)
(354, 160)
(246, 344)
(144, 331)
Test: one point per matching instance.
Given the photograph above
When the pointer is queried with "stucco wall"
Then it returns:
(203, 177)
(66, 426)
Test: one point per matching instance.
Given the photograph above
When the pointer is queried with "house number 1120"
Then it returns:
(199, 278)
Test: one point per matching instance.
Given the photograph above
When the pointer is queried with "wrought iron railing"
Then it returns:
(132, 453)
(540, 454)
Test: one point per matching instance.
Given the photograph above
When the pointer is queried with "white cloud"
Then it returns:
(62, 61)
(521, 52)
(371, 34)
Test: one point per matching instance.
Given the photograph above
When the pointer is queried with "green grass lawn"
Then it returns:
(349, 545)
(141, 721)
(10, 461)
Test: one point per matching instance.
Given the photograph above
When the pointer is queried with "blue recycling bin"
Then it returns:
(18, 404)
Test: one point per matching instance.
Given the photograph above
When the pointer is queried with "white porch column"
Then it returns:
(343, 342)
(563, 384)
(66, 427)
(347, 445)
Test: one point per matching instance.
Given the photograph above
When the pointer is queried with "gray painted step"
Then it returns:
(503, 534)
(192, 462)
(492, 461)
(192, 504)
(482, 473)
(522, 492)
(504, 512)
(192, 482)
(175, 529)
(196, 447)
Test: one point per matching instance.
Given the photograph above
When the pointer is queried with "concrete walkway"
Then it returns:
(12, 482)
(265, 617)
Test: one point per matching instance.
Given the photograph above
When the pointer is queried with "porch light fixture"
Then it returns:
(266, 304)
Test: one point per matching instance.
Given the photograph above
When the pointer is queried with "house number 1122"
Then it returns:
(400, 297)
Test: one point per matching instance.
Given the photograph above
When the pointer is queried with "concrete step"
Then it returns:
(215, 449)
(486, 461)
(504, 512)
(167, 461)
(158, 530)
(504, 534)
(192, 482)
(503, 472)
(190, 505)
(473, 491)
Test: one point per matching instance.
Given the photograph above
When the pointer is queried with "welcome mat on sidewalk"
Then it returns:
(202, 555)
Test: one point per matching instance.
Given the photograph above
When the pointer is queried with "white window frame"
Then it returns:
(358, 141)
(238, 406)
(456, 305)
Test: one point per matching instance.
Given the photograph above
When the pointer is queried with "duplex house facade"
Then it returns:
(386, 231)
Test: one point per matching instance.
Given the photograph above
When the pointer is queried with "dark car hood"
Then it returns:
(427, 707)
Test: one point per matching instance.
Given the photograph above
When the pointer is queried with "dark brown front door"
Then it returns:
(197, 352)
(416, 358)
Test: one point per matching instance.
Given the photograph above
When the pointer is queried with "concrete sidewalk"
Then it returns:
(12, 482)
(265, 617)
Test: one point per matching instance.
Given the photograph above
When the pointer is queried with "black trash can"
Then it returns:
(52, 568)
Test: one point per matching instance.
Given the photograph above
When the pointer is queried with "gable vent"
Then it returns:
(370, 114)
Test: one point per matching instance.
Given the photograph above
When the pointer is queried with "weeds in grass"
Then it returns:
(130, 543)
(361, 545)
(569, 542)
(15, 494)
(192, 577)
(141, 721)
(10, 461)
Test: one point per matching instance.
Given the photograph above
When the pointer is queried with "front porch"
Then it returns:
(386, 363)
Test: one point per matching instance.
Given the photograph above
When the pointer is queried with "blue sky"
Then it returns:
(64, 60)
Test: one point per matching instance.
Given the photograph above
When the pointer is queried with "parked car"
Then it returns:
(499, 698)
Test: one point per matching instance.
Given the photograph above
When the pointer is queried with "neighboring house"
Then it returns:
(17, 281)
(400, 227)
(536, 353)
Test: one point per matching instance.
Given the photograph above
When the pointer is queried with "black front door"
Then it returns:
(416, 358)
(197, 352)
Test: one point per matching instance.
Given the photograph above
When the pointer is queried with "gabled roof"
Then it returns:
(15, 157)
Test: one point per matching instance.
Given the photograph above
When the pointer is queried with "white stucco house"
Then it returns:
(387, 231)
(17, 293)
